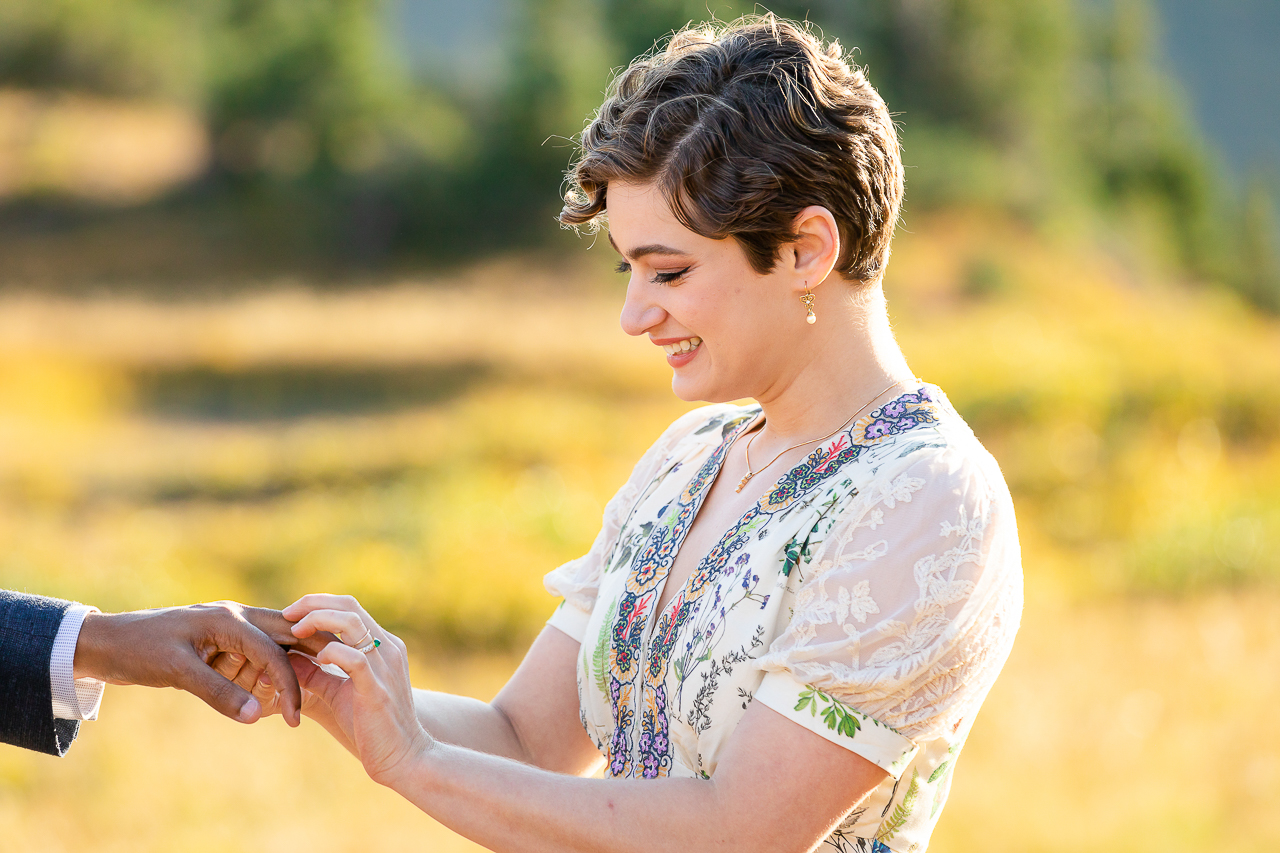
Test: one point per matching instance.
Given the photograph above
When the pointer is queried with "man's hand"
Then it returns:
(173, 647)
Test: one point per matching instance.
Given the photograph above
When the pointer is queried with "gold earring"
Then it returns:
(807, 299)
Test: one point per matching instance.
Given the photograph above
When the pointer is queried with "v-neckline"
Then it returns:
(726, 444)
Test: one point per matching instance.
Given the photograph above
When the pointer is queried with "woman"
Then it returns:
(781, 635)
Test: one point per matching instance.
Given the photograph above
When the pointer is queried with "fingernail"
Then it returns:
(234, 658)
(249, 711)
(264, 681)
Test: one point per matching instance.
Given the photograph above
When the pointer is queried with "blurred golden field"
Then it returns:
(434, 446)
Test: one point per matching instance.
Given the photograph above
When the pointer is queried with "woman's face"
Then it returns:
(727, 331)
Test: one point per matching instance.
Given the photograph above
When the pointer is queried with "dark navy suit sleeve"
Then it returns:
(28, 626)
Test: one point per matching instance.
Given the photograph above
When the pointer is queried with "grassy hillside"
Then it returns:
(159, 451)
(435, 446)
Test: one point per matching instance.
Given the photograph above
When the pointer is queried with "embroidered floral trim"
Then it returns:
(862, 552)
(653, 560)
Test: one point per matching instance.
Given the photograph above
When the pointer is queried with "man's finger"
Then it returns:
(248, 677)
(234, 668)
(224, 697)
(277, 628)
(227, 665)
(262, 654)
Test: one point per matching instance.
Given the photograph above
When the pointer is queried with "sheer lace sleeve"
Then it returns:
(578, 580)
(906, 611)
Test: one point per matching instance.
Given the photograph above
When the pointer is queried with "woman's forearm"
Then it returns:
(507, 806)
(469, 723)
(777, 786)
(533, 719)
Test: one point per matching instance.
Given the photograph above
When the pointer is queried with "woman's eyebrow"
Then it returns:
(641, 251)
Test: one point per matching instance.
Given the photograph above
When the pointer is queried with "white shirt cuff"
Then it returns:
(73, 698)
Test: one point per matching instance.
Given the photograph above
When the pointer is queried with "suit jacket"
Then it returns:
(28, 626)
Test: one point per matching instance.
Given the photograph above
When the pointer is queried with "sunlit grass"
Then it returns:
(162, 772)
(144, 461)
(1118, 728)
(1142, 727)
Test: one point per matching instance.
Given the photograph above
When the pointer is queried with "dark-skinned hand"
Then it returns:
(178, 647)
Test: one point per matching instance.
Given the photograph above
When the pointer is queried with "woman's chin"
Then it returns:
(687, 388)
(693, 389)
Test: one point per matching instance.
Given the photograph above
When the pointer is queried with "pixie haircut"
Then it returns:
(742, 126)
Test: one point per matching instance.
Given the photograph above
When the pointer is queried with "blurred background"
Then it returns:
(284, 308)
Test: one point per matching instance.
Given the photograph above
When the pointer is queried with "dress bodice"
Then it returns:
(871, 596)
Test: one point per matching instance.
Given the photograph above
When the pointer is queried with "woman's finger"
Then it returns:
(314, 679)
(324, 601)
(354, 663)
(352, 628)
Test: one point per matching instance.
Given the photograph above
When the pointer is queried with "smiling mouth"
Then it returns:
(687, 345)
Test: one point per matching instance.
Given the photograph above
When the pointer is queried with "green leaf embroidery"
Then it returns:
(600, 659)
(890, 827)
(838, 717)
(942, 777)
(795, 551)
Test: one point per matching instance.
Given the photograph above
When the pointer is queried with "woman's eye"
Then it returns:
(668, 277)
(622, 266)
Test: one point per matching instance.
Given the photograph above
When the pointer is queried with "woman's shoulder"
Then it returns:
(920, 436)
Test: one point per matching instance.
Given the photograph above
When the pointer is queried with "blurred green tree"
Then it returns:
(1260, 256)
(1049, 109)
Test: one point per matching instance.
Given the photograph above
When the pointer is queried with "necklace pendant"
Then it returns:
(743, 484)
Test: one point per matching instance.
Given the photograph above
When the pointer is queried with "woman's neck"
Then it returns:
(856, 362)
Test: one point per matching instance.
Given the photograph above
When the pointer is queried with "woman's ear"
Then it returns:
(817, 246)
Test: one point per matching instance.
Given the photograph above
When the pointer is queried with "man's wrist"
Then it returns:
(93, 647)
(75, 696)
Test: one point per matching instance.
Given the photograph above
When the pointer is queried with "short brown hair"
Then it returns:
(743, 125)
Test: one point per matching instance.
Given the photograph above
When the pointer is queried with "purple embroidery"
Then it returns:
(654, 744)
(898, 416)
(648, 699)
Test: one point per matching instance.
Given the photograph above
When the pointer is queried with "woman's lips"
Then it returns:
(683, 357)
(680, 351)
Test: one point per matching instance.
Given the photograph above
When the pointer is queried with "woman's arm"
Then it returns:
(533, 719)
(778, 787)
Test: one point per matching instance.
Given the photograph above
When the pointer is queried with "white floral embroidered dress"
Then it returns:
(872, 596)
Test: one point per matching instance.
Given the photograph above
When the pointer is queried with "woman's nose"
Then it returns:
(639, 313)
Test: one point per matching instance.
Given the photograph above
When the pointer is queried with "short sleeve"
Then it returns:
(907, 610)
(578, 581)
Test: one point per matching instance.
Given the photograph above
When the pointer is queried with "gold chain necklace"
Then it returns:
(751, 473)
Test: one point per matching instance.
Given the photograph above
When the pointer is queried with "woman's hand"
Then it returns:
(373, 709)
